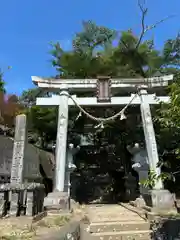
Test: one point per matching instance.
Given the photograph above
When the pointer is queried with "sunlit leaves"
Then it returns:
(2, 82)
(172, 52)
(153, 178)
(91, 37)
(9, 108)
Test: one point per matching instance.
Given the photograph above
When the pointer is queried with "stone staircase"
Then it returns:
(113, 222)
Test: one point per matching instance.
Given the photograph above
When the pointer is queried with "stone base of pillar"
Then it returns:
(57, 201)
(160, 200)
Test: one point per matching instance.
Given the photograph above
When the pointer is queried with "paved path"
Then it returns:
(109, 213)
(110, 222)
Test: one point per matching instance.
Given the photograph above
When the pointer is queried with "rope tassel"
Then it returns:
(122, 116)
(101, 125)
(79, 115)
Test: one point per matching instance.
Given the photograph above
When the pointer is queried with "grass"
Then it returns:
(29, 232)
(26, 233)
(170, 215)
(17, 229)
(57, 221)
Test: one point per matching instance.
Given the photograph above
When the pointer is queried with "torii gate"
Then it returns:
(103, 87)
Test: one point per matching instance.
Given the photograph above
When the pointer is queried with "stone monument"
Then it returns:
(18, 150)
(31, 161)
(25, 157)
(18, 159)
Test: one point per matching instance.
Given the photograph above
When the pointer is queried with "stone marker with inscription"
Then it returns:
(18, 150)
(18, 159)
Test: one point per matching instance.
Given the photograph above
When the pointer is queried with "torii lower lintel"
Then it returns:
(92, 101)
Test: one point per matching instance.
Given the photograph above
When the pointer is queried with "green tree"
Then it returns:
(168, 114)
(42, 122)
(94, 54)
(9, 108)
(171, 52)
(2, 83)
(86, 58)
(139, 59)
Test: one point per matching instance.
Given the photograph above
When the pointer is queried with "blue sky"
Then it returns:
(28, 26)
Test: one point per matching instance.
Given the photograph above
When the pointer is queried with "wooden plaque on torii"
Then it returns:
(103, 89)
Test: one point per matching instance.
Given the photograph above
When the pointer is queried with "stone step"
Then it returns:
(116, 213)
(125, 235)
(110, 218)
(119, 226)
(107, 213)
(127, 214)
(113, 212)
(118, 210)
(107, 208)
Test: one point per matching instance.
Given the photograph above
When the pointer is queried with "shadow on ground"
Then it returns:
(166, 228)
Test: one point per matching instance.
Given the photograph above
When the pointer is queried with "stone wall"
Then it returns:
(6, 148)
(32, 158)
(21, 199)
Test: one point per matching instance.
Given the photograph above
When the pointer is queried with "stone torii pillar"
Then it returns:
(61, 140)
(58, 198)
(159, 198)
(149, 134)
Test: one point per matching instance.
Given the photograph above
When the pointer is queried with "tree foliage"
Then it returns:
(93, 54)
(171, 52)
(9, 108)
(41, 121)
(2, 82)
